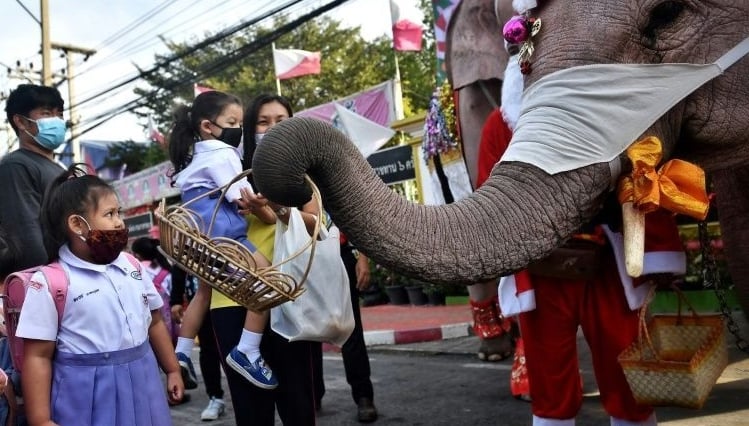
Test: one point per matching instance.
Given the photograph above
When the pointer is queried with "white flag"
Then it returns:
(367, 135)
(290, 63)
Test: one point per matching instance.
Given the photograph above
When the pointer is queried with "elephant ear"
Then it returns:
(475, 48)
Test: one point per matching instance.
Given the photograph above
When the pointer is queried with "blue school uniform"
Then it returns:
(104, 370)
(214, 164)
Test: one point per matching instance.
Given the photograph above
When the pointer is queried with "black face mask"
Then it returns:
(230, 135)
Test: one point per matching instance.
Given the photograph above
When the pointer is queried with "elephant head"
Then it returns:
(475, 61)
(523, 212)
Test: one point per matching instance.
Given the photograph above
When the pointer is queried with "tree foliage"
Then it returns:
(349, 64)
(137, 156)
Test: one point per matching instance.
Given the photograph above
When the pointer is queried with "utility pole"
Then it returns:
(68, 51)
(46, 45)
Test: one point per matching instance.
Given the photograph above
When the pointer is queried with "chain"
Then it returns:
(711, 278)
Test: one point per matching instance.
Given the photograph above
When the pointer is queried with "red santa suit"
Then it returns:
(495, 137)
(606, 308)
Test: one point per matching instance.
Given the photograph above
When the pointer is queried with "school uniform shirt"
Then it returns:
(214, 164)
(108, 307)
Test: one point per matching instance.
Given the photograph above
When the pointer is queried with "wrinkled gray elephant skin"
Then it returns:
(522, 213)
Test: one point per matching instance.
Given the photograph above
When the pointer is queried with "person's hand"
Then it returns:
(362, 273)
(178, 311)
(175, 387)
(3, 381)
(253, 202)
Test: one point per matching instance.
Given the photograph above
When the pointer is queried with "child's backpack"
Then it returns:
(15, 293)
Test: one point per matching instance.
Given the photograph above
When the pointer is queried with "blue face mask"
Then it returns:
(51, 132)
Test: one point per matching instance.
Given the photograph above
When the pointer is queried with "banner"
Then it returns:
(375, 104)
(146, 186)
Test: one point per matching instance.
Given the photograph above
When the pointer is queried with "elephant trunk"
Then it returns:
(520, 214)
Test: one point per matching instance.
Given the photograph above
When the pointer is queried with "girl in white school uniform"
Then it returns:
(98, 366)
(204, 147)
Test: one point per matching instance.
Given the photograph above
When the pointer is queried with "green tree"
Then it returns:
(349, 64)
(137, 156)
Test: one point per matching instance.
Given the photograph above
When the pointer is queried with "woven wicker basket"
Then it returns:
(224, 264)
(678, 361)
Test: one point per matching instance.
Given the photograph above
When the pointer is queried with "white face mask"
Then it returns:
(591, 114)
(259, 138)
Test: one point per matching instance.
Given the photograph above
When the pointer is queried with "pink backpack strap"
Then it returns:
(58, 282)
(135, 262)
(159, 278)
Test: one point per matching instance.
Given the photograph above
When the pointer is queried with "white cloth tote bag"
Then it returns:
(323, 313)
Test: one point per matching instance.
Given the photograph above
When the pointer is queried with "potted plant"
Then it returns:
(435, 294)
(416, 295)
(392, 282)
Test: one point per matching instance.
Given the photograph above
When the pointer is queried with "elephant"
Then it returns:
(523, 211)
(475, 61)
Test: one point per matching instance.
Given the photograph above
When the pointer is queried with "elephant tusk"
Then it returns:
(634, 238)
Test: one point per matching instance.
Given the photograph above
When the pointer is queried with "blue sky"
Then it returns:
(91, 23)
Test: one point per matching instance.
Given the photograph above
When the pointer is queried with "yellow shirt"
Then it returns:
(263, 236)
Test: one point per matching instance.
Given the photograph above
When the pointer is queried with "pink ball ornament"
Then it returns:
(515, 30)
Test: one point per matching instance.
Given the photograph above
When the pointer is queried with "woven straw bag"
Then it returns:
(676, 359)
(225, 264)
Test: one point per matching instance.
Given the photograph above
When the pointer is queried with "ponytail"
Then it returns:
(181, 139)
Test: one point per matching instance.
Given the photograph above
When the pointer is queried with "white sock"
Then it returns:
(184, 345)
(542, 421)
(650, 421)
(249, 344)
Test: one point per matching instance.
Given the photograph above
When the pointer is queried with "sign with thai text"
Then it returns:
(394, 165)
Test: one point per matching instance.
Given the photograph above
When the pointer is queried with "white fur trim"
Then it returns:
(542, 421)
(650, 421)
(656, 262)
(522, 6)
(510, 302)
(512, 92)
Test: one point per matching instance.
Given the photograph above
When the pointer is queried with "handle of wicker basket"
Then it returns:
(313, 238)
(642, 329)
(681, 297)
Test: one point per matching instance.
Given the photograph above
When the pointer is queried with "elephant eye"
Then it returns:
(662, 17)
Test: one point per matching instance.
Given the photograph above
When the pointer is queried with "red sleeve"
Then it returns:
(495, 137)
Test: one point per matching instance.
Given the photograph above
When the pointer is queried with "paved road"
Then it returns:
(442, 383)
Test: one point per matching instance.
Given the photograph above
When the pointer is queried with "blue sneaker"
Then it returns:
(258, 372)
(188, 371)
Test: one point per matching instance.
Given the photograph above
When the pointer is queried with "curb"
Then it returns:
(399, 337)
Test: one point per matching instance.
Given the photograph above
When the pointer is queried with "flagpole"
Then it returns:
(398, 90)
(278, 81)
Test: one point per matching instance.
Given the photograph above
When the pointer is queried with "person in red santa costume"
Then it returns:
(604, 304)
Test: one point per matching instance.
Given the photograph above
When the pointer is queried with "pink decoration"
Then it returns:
(515, 30)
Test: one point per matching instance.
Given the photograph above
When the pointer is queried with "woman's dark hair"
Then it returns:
(186, 128)
(73, 192)
(250, 122)
(148, 249)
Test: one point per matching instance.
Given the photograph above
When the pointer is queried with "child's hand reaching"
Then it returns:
(3, 381)
(175, 387)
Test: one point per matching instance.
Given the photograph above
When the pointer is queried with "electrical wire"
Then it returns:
(180, 55)
(215, 66)
(23, 6)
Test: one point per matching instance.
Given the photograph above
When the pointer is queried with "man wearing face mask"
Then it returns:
(35, 114)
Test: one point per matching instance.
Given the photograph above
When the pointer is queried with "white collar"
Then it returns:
(67, 256)
(211, 145)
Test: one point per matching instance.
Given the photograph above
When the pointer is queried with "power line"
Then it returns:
(135, 24)
(180, 55)
(29, 12)
(215, 66)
